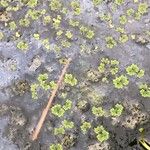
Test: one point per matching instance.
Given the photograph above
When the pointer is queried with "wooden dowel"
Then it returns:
(46, 109)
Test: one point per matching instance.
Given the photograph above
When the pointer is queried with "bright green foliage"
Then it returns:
(133, 69)
(123, 38)
(34, 14)
(52, 85)
(142, 8)
(87, 32)
(55, 5)
(57, 21)
(98, 111)
(85, 126)
(123, 19)
(70, 79)
(59, 130)
(67, 105)
(4, 3)
(140, 73)
(36, 36)
(42, 78)
(120, 30)
(144, 90)
(110, 42)
(73, 23)
(102, 134)
(33, 89)
(69, 35)
(12, 25)
(116, 111)
(57, 110)
(56, 147)
(119, 2)
(46, 19)
(32, 3)
(65, 43)
(108, 66)
(130, 11)
(22, 45)
(76, 7)
(105, 17)
(24, 22)
(68, 124)
(96, 2)
(120, 82)
(90, 34)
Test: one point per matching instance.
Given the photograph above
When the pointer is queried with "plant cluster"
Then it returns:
(42, 83)
(133, 70)
(55, 5)
(98, 111)
(85, 126)
(123, 19)
(144, 90)
(70, 79)
(102, 134)
(142, 9)
(120, 82)
(88, 33)
(116, 111)
(56, 147)
(110, 42)
(75, 5)
(119, 2)
(96, 2)
(22, 45)
(59, 110)
(65, 125)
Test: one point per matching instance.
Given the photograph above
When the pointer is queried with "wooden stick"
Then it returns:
(45, 111)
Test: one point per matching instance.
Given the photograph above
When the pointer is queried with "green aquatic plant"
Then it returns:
(55, 5)
(119, 2)
(4, 3)
(65, 43)
(57, 110)
(68, 124)
(105, 17)
(36, 36)
(74, 23)
(123, 38)
(24, 22)
(102, 134)
(130, 11)
(22, 45)
(96, 2)
(123, 19)
(143, 8)
(56, 147)
(12, 25)
(144, 90)
(52, 85)
(57, 21)
(98, 111)
(120, 82)
(116, 111)
(33, 89)
(85, 126)
(70, 79)
(76, 7)
(42, 78)
(90, 34)
(47, 19)
(133, 69)
(120, 30)
(59, 131)
(110, 42)
(34, 14)
(69, 35)
(32, 3)
(67, 105)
